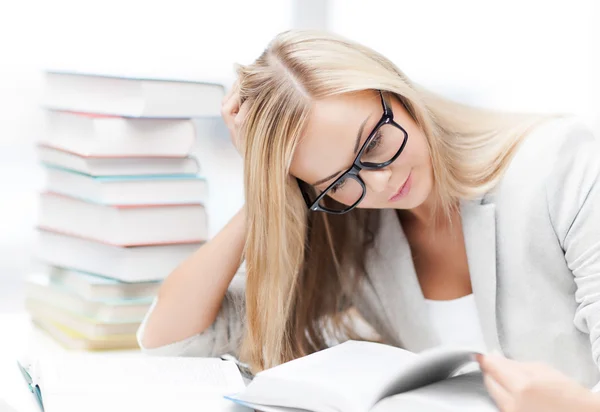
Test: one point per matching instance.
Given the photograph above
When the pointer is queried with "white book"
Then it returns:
(370, 377)
(131, 97)
(123, 225)
(100, 288)
(114, 136)
(40, 288)
(117, 166)
(128, 264)
(128, 190)
(101, 383)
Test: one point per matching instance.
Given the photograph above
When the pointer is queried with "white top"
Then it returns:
(457, 322)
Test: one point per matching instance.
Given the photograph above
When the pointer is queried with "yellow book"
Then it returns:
(71, 339)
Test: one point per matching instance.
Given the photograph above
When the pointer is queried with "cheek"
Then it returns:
(416, 153)
(418, 158)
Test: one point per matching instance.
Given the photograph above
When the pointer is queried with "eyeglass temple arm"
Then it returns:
(386, 108)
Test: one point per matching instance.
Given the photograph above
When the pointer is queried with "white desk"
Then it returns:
(20, 337)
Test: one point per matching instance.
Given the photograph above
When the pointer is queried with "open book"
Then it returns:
(104, 383)
(370, 377)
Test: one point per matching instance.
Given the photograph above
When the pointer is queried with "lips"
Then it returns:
(403, 191)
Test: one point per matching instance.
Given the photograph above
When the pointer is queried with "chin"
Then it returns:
(419, 193)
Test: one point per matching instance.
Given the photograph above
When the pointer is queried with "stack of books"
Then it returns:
(123, 202)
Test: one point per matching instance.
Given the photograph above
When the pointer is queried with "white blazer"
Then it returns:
(533, 249)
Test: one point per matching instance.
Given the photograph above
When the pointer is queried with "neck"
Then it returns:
(424, 216)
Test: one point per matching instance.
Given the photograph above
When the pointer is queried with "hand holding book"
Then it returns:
(531, 387)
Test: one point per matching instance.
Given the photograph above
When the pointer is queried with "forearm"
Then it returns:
(191, 296)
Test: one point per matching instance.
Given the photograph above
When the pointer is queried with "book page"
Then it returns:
(135, 380)
(352, 376)
(465, 393)
(5, 407)
(127, 373)
(347, 377)
(431, 366)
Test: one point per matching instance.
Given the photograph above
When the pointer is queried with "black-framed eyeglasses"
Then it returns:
(384, 144)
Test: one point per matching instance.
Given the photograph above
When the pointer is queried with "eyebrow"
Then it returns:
(358, 137)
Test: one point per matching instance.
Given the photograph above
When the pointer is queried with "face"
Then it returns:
(337, 129)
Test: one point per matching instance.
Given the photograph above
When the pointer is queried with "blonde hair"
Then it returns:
(303, 267)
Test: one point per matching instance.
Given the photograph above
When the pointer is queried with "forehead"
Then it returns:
(328, 142)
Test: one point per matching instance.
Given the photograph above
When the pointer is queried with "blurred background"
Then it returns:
(515, 54)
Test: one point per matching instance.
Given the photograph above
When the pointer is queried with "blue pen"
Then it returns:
(33, 388)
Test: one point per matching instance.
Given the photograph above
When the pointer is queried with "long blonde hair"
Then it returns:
(303, 267)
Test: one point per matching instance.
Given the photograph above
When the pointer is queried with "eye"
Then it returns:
(338, 186)
(375, 142)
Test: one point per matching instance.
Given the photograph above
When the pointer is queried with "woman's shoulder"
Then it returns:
(557, 137)
(552, 148)
(558, 160)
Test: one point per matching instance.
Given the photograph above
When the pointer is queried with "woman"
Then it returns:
(437, 222)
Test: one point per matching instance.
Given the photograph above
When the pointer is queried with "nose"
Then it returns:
(376, 180)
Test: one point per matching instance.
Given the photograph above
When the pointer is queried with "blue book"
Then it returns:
(33, 387)
(128, 190)
(95, 287)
